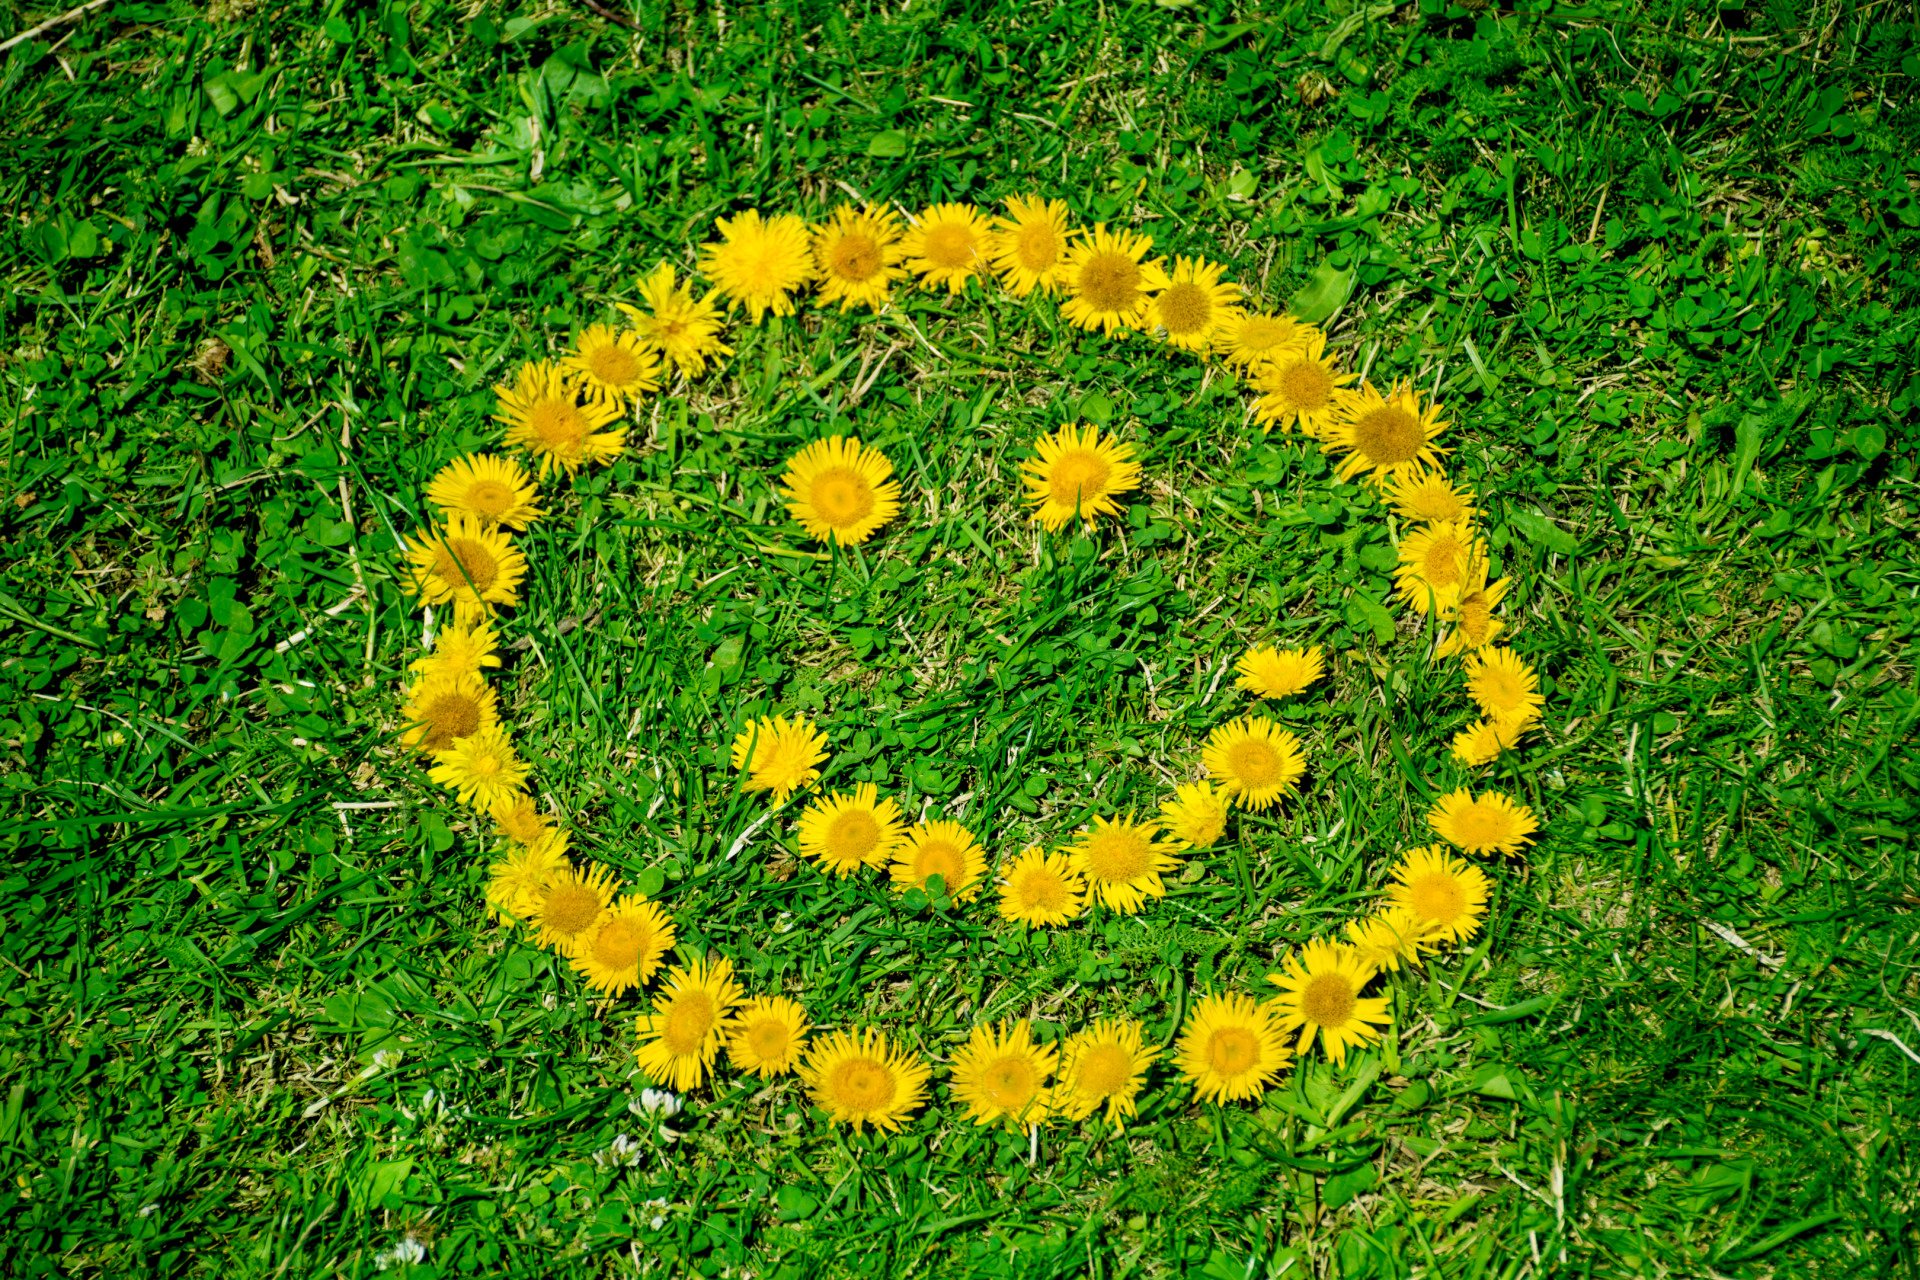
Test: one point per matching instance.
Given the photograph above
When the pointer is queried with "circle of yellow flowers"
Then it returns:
(565, 414)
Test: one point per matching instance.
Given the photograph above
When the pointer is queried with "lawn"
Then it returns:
(264, 269)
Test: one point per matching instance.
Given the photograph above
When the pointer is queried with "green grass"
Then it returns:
(262, 269)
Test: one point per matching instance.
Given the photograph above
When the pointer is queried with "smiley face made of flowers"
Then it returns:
(562, 415)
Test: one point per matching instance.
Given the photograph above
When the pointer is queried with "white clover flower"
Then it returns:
(621, 1151)
(408, 1250)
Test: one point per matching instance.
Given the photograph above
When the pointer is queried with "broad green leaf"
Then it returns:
(1542, 531)
(1325, 292)
(1365, 611)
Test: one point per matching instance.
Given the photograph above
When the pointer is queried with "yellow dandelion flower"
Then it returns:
(1474, 626)
(1438, 562)
(767, 1036)
(1231, 1049)
(1107, 284)
(944, 849)
(517, 882)
(1255, 761)
(857, 1078)
(1039, 888)
(1388, 939)
(1077, 474)
(846, 831)
(1381, 436)
(612, 365)
(445, 706)
(1268, 672)
(1001, 1074)
(779, 755)
(1301, 387)
(1424, 494)
(682, 1035)
(1320, 992)
(1122, 861)
(1444, 896)
(1250, 339)
(1103, 1066)
(480, 769)
(856, 256)
(839, 491)
(461, 648)
(571, 905)
(1488, 823)
(759, 263)
(1504, 686)
(1195, 306)
(1483, 741)
(947, 245)
(623, 947)
(472, 566)
(490, 489)
(1030, 244)
(1196, 817)
(518, 819)
(680, 328)
(543, 415)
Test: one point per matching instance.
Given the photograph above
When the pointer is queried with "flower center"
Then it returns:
(842, 496)
(1445, 561)
(1104, 1069)
(1389, 435)
(1204, 822)
(861, 1084)
(619, 944)
(853, 835)
(1474, 616)
(1185, 307)
(768, 1039)
(1078, 475)
(489, 498)
(1037, 246)
(1261, 334)
(522, 822)
(950, 246)
(1435, 501)
(613, 364)
(558, 425)
(1232, 1050)
(449, 716)
(484, 765)
(854, 256)
(1118, 854)
(1042, 889)
(1328, 999)
(1111, 282)
(1010, 1083)
(459, 561)
(669, 331)
(1253, 763)
(758, 264)
(783, 761)
(939, 858)
(569, 909)
(1306, 385)
(1437, 897)
(1502, 688)
(1477, 826)
(688, 1022)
